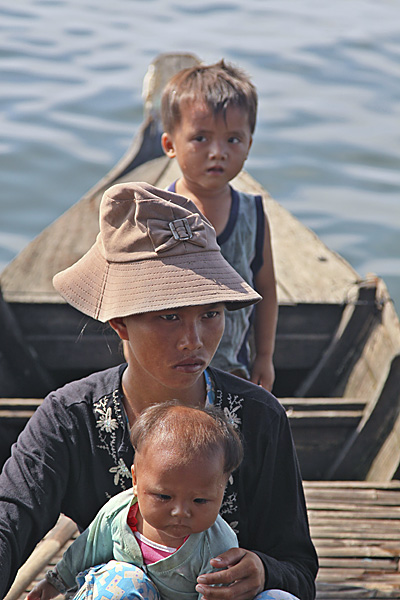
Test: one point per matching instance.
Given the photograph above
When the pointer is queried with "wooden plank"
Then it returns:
(348, 511)
(356, 530)
(383, 466)
(361, 575)
(19, 402)
(343, 530)
(352, 592)
(366, 564)
(318, 440)
(325, 418)
(370, 372)
(323, 404)
(332, 549)
(359, 453)
(15, 414)
(70, 344)
(19, 359)
(337, 362)
(300, 351)
(348, 486)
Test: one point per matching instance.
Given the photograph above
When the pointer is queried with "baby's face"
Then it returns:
(175, 499)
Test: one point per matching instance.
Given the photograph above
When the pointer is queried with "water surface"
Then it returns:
(327, 138)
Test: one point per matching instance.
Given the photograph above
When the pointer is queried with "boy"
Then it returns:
(168, 524)
(209, 115)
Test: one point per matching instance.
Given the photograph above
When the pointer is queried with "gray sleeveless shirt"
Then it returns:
(241, 245)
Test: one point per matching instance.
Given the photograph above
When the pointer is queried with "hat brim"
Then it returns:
(106, 290)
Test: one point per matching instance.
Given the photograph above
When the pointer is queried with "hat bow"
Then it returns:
(166, 235)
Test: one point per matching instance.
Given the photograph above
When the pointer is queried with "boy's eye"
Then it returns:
(200, 500)
(234, 140)
(199, 138)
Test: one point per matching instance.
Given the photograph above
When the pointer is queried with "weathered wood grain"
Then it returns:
(355, 527)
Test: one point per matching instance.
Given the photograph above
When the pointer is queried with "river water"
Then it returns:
(327, 144)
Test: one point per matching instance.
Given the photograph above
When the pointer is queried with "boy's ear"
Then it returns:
(168, 145)
(119, 326)
(250, 143)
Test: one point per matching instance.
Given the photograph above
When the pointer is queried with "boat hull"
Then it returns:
(337, 342)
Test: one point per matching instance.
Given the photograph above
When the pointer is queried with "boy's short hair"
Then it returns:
(219, 85)
(189, 431)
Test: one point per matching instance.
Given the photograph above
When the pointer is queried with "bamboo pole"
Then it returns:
(46, 549)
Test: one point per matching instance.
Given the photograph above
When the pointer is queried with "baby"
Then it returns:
(158, 537)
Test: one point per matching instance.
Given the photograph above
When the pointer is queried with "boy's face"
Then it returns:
(210, 149)
(175, 499)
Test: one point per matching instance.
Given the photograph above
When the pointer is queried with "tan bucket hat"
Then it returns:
(155, 251)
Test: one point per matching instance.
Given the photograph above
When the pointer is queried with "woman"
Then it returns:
(156, 275)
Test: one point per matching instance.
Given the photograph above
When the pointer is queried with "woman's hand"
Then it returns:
(242, 577)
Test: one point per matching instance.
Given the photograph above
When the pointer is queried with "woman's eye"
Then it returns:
(171, 317)
(199, 138)
(211, 314)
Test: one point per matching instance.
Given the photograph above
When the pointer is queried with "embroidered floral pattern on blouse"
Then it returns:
(121, 470)
(232, 407)
(105, 421)
(230, 504)
(231, 413)
(110, 427)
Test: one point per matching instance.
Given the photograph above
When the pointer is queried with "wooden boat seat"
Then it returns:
(14, 414)
(331, 421)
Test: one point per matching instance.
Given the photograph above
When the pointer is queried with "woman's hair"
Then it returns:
(187, 431)
(219, 86)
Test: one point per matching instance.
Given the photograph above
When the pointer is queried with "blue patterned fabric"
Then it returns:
(115, 581)
(121, 581)
(275, 595)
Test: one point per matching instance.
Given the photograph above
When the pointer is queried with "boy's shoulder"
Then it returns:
(246, 196)
(248, 205)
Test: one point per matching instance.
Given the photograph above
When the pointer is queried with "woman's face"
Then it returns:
(171, 347)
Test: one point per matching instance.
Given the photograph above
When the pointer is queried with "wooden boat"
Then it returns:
(337, 355)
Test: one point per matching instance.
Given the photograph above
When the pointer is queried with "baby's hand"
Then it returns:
(42, 591)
